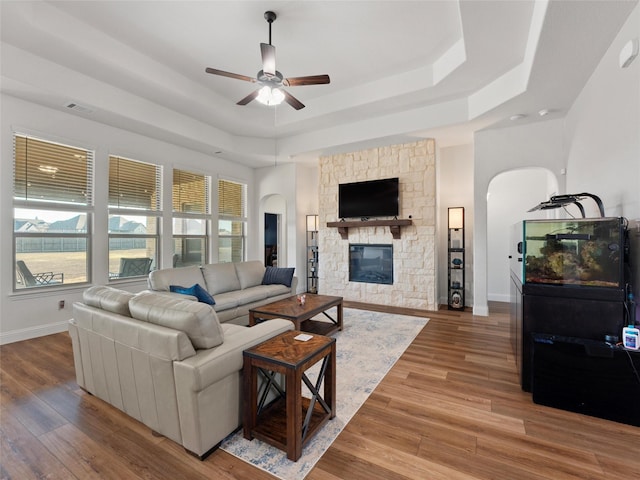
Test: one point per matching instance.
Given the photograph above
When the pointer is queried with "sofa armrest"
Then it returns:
(77, 358)
(208, 366)
(209, 386)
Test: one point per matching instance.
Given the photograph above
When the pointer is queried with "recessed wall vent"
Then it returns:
(78, 108)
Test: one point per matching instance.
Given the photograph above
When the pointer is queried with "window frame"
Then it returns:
(204, 216)
(242, 218)
(124, 211)
(45, 205)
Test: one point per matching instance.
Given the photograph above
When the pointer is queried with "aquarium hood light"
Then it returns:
(558, 201)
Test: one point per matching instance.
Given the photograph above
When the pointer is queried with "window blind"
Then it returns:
(191, 192)
(134, 184)
(51, 172)
(231, 199)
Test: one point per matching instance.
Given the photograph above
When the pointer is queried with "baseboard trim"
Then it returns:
(481, 310)
(33, 332)
(499, 297)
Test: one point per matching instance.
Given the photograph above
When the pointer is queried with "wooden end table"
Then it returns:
(291, 420)
(302, 315)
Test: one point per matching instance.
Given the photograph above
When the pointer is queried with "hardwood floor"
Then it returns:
(451, 408)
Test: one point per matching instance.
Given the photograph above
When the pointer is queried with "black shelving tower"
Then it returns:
(455, 258)
(312, 253)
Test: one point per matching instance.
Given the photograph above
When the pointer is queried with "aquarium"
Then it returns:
(582, 252)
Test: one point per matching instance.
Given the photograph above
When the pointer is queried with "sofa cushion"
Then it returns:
(273, 290)
(274, 275)
(250, 295)
(225, 301)
(220, 278)
(198, 320)
(162, 280)
(195, 290)
(108, 298)
(249, 273)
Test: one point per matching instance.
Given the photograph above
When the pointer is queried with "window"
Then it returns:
(191, 223)
(134, 216)
(52, 200)
(232, 220)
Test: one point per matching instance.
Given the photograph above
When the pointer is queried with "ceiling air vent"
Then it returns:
(78, 108)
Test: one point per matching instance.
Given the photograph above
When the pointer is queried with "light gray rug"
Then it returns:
(366, 349)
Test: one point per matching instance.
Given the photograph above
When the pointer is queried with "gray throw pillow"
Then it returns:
(278, 275)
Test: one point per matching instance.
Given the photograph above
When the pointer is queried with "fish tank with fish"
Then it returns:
(575, 252)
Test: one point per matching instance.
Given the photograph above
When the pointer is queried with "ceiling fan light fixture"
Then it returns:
(271, 79)
(270, 96)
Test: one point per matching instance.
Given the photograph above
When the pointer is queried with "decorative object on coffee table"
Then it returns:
(301, 314)
(290, 420)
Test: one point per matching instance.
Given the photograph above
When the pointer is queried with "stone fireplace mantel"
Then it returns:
(413, 232)
(394, 226)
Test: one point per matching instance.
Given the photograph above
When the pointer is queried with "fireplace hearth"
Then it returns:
(371, 263)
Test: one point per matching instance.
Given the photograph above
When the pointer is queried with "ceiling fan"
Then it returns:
(271, 80)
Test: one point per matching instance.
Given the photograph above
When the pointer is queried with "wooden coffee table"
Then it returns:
(301, 315)
(291, 420)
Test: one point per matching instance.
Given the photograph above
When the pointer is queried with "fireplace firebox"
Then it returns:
(369, 263)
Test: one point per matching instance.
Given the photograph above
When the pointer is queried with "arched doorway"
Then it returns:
(273, 238)
(509, 195)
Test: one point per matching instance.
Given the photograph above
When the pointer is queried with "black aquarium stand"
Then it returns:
(587, 376)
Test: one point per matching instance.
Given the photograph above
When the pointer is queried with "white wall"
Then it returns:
(509, 197)
(283, 180)
(307, 185)
(29, 314)
(598, 143)
(603, 131)
(531, 145)
(455, 189)
(602, 139)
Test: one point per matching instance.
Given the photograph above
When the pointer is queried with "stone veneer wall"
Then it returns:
(414, 266)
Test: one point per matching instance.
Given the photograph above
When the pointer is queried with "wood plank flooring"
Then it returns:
(451, 408)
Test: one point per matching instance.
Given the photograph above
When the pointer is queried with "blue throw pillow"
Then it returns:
(196, 290)
(276, 275)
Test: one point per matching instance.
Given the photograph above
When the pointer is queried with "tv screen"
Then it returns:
(373, 198)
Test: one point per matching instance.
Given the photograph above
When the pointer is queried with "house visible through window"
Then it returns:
(232, 220)
(134, 214)
(191, 218)
(52, 200)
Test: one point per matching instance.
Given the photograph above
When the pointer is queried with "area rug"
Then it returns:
(366, 349)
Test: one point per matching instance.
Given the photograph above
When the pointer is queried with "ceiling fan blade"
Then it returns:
(248, 98)
(291, 100)
(237, 76)
(308, 80)
(268, 52)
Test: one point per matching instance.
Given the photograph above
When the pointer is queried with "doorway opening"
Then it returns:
(271, 228)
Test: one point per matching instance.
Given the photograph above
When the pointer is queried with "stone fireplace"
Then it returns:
(371, 263)
(412, 255)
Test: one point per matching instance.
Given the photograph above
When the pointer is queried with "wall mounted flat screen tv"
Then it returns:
(373, 198)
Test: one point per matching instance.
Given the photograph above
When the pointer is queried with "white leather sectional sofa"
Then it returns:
(166, 361)
(235, 287)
